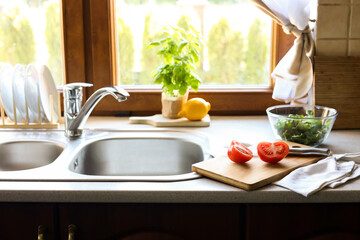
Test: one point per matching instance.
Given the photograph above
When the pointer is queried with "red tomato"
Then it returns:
(239, 153)
(272, 152)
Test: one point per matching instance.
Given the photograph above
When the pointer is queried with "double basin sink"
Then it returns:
(100, 155)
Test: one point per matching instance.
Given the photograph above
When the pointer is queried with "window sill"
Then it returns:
(223, 102)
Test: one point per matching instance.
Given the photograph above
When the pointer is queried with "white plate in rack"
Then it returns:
(32, 93)
(47, 88)
(6, 78)
(18, 87)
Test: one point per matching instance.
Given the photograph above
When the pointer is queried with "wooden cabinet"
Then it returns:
(21, 221)
(152, 221)
(102, 221)
(303, 221)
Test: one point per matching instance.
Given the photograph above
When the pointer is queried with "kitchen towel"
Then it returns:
(294, 74)
(325, 173)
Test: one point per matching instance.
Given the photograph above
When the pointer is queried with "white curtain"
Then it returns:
(293, 75)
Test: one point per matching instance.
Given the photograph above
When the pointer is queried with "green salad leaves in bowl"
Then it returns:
(309, 125)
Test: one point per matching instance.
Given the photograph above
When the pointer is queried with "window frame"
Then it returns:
(90, 56)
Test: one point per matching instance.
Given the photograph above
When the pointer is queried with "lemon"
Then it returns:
(194, 109)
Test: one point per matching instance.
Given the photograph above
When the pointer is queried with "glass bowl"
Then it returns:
(305, 124)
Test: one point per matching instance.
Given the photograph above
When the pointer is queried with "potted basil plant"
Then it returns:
(179, 51)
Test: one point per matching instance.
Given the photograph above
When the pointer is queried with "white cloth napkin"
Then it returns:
(325, 173)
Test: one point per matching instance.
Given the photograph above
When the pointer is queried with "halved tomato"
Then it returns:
(272, 152)
(239, 153)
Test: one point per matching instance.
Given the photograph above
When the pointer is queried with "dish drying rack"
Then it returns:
(6, 122)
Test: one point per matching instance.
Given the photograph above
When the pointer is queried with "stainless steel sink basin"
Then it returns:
(27, 154)
(140, 156)
(137, 157)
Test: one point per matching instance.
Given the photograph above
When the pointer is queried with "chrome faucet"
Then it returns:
(75, 116)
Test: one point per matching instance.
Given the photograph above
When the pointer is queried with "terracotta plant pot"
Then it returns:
(171, 106)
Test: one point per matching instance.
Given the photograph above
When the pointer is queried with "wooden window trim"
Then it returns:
(89, 56)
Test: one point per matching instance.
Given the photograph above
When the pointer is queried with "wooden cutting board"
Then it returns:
(159, 121)
(253, 174)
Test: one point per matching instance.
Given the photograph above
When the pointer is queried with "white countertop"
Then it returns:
(222, 130)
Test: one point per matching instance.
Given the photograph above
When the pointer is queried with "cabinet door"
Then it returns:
(151, 221)
(21, 221)
(303, 221)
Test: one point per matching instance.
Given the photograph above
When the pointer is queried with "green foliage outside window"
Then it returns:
(257, 55)
(53, 41)
(184, 23)
(225, 54)
(126, 53)
(17, 41)
(17, 44)
(149, 58)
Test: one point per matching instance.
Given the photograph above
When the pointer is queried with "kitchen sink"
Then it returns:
(101, 155)
(140, 156)
(137, 157)
(28, 154)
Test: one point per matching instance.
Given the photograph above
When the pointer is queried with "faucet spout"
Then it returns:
(75, 115)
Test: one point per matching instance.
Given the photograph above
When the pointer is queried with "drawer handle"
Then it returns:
(71, 231)
(41, 232)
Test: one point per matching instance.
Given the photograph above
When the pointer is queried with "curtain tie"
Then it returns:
(291, 29)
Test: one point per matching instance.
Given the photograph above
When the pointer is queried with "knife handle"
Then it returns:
(309, 151)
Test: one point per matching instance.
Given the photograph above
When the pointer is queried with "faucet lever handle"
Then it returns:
(74, 91)
(77, 85)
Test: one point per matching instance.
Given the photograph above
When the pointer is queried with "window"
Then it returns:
(236, 49)
(90, 56)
